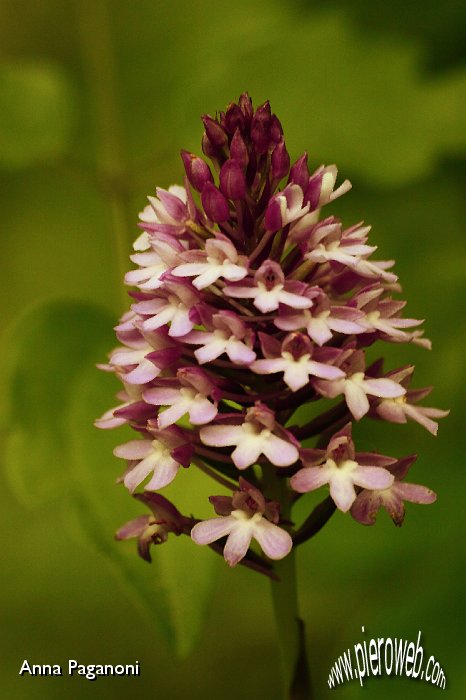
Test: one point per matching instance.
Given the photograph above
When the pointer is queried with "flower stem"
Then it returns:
(290, 632)
(290, 627)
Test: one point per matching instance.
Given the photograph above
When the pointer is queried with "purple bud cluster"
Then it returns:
(251, 302)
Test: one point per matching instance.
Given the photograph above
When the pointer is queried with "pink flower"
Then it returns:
(244, 517)
(162, 456)
(285, 207)
(320, 189)
(366, 505)
(356, 386)
(270, 289)
(220, 260)
(329, 243)
(133, 408)
(153, 263)
(166, 213)
(382, 314)
(142, 361)
(187, 394)
(228, 334)
(322, 320)
(343, 469)
(401, 409)
(155, 528)
(171, 304)
(252, 438)
(293, 358)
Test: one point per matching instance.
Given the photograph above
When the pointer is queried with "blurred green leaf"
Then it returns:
(175, 589)
(46, 349)
(57, 240)
(53, 450)
(442, 32)
(36, 113)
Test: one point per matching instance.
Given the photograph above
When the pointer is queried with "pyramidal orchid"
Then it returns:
(250, 301)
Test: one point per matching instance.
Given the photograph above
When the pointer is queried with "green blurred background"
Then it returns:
(96, 99)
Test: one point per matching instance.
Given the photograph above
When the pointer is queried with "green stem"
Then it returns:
(290, 627)
(285, 604)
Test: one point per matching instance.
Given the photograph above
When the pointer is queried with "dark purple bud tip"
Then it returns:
(260, 128)
(313, 190)
(232, 180)
(299, 173)
(214, 131)
(246, 107)
(280, 161)
(276, 130)
(234, 119)
(214, 203)
(239, 150)
(208, 148)
(197, 170)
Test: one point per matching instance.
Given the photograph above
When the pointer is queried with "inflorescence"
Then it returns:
(250, 304)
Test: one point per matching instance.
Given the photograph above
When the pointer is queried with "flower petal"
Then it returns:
(162, 396)
(208, 531)
(276, 543)
(181, 323)
(170, 415)
(296, 375)
(269, 366)
(248, 451)
(210, 351)
(415, 493)
(384, 388)
(309, 479)
(164, 473)
(356, 399)
(342, 490)
(143, 373)
(135, 449)
(366, 506)
(239, 353)
(294, 300)
(280, 452)
(318, 330)
(140, 471)
(208, 277)
(221, 435)
(372, 477)
(133, 528)
(238, 542)
(202, 411)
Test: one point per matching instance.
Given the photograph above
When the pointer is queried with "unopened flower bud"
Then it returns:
(214, 203)
(313, 190)
(208, 148)
(214, 131)
(299, 173)
(197, 170)
(276, 131)
(260, 128)
(245, 104)
(280, 161)
(232, 180)
(238, 149)
(234, 119)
